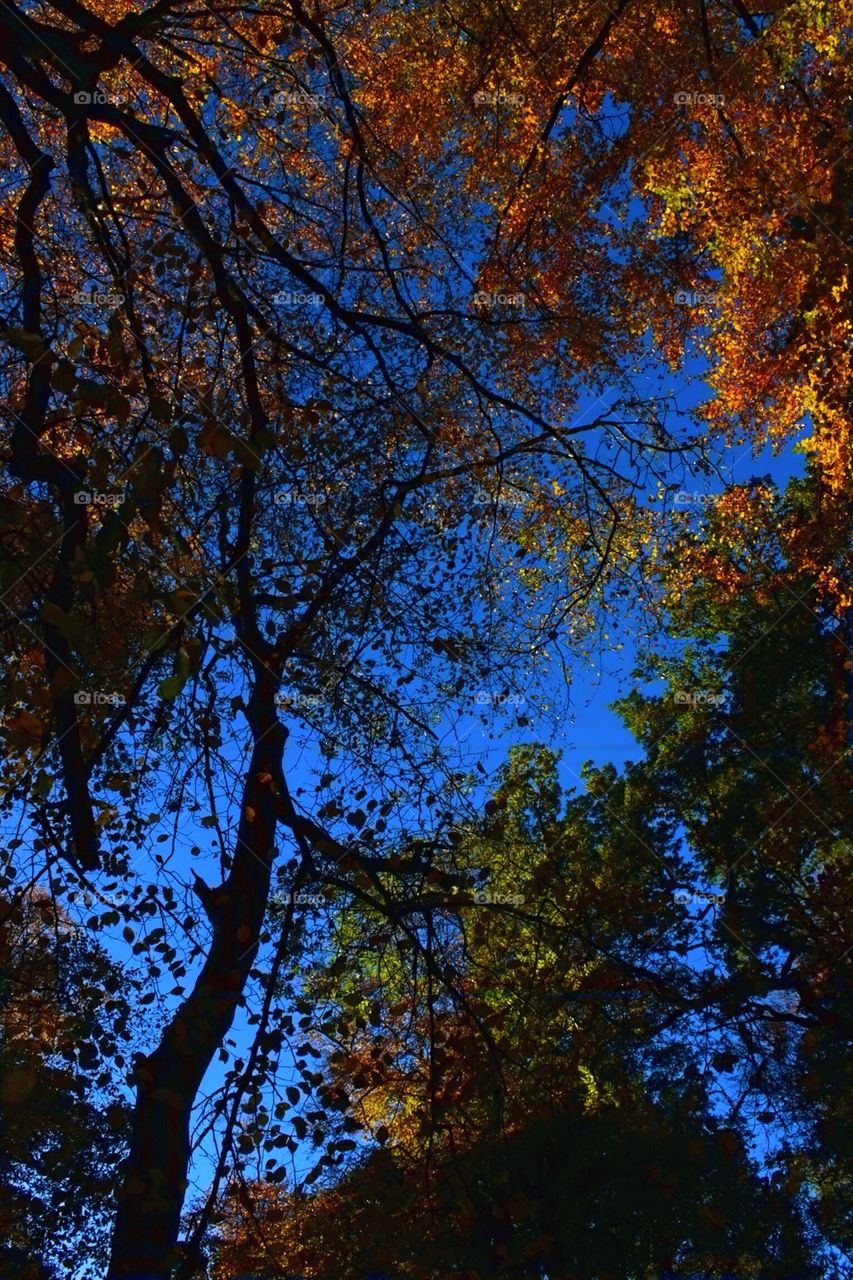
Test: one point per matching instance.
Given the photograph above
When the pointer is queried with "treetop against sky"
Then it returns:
(373, 373)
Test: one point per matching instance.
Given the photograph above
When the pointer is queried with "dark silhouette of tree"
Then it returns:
(62, 1116)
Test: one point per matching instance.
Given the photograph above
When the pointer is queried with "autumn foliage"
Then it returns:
(371, 373)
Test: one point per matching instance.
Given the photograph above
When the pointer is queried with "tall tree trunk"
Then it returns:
(155, 1174)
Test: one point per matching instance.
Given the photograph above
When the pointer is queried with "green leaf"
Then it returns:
(155, 638)
(32, 345)
(95, 394)
(171, 687)
(42, 785)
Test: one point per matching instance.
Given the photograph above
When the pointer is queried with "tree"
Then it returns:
(557, 1114)
(63, 1042)
(751, 746)
(281, 338)
(623, 1192)
(663, 962)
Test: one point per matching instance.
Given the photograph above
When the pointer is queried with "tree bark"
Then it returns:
(155, 1173)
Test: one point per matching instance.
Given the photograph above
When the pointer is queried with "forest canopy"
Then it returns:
(382, 380)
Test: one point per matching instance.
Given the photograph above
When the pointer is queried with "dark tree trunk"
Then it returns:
(155, 1174)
